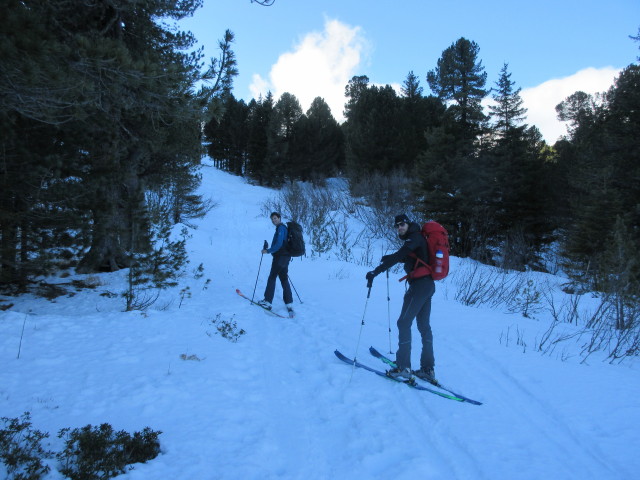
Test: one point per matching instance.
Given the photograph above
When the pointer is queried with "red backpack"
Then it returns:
(437, 240)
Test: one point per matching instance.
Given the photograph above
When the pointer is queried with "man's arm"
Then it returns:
(389, 261)
(278, 239)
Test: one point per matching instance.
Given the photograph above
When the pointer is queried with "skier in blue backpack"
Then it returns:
(279, 266)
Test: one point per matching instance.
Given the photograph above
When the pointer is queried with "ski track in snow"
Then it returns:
(278, 404)
(536, 415)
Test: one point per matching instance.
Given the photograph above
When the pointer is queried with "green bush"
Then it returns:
(21, 450)
(93, 453)
(227, 328)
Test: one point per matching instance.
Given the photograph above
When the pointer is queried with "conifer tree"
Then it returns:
(317, 144)
(260, 113)
(508, 110)
(603, 155)
(228, 136)
(419, 114)
(356, 86)
(374, 132)
(411, 89)
(519, 191)
(620, 275)
(279, 163)
(113, 89)
(460, 77)
(452, 179)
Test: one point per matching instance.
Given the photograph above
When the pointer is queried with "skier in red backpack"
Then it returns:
(417, 301)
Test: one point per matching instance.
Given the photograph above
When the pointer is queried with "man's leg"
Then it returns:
(427, 360)
(414, 300)
(284, 280)
(271, 281)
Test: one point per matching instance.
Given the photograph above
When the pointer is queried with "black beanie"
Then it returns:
(402, 218)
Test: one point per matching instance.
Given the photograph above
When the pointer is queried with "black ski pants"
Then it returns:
(279, 269)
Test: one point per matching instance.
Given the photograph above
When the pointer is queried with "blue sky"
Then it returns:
(312, 48)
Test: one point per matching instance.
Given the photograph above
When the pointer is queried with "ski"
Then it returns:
(258, 305)
(408, 383)
(392, 364)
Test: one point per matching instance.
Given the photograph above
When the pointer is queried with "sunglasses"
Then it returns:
(401, 224)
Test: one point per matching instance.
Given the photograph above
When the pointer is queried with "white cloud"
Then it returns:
(541, 101)
(320, 65)
(259, 86)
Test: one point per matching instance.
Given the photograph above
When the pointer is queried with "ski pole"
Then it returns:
(355, 357)
(389, 311)
(294, 289)
(264, 247)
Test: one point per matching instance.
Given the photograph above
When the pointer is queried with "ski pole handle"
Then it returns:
(265, 245)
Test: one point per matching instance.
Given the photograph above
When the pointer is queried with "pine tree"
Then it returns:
(411, 89)
(452, 178)
(38, 157)
(317, 143)
(603, 158)
(356, 86)
(508, 110)
(374, 132)
(418, 115)
(109, 89)
(520, 197)
(518, 192)
(228, 135)
(620, 274)
(278, 163)
(260, 113)
(460, 77)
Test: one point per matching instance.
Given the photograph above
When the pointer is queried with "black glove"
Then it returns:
(370, 276)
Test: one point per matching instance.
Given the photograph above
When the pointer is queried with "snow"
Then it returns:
(277, 404)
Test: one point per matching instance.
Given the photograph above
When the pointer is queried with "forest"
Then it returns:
(506, 196)
(106, 111)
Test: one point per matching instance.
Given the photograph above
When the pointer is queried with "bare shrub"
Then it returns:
(291, 202)
(601, 330)
(567, 311)
(385, 196)
(320, 210)
(479, 285)
(505, 337)
(606, 333)
(515, 251)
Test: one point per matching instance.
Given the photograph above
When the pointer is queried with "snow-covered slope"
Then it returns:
(277, 404)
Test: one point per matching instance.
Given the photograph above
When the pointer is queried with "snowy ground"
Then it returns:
(277, 404)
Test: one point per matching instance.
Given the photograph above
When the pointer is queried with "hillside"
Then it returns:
(277, 404)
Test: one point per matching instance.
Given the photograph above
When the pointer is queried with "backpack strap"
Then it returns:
(418, 261)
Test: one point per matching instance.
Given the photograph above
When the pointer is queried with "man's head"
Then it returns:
(402, 224)
(276, 218)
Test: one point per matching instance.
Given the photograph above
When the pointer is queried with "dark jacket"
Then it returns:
(413, 242)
